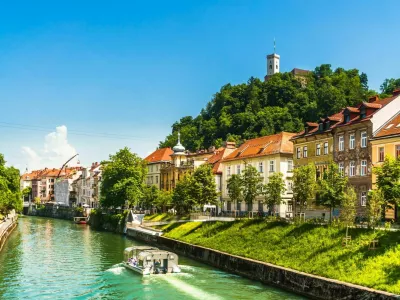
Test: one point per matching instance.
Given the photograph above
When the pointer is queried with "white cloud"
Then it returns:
(56, 151)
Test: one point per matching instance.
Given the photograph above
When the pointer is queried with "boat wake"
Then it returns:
(189, 289)
(116, 269)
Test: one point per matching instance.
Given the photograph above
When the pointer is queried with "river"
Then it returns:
(56, 259)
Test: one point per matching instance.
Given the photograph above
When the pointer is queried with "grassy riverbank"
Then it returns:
(309, 248)
(165, 217)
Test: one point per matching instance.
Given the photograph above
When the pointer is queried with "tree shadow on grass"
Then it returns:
(392, 275)
(301, 229)
(271, 225)
(214, 229)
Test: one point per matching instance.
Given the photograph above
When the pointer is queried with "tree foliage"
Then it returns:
(258, 108)
(274, 190)
(122, 180)
(235, 188)
(182, 196)
(388, 176)
(374, 207)
(10, 194)
(389, 85)
(331, 188)
(252, 185)
(304, 185)
(204, 187)
(348, 208)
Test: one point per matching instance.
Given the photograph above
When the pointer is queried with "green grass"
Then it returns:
(309, 248)
(165, 217)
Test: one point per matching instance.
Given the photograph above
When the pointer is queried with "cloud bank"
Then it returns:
(55, 152)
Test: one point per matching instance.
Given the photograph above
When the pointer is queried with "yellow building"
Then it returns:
(386, 142)
(315, 143)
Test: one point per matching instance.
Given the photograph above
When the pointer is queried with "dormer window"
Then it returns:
(320, 126)
(346, 117)
(362, 112)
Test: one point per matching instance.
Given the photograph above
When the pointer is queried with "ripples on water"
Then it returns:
(56, 259)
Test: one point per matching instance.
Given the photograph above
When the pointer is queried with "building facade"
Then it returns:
(269, 154)
(154, 162)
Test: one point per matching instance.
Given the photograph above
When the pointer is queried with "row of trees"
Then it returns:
(249, 185)
(123, 182)
(10, 195)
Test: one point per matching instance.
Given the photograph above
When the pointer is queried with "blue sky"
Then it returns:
(134, 67)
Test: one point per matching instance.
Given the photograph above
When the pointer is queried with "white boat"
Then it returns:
(148, 260)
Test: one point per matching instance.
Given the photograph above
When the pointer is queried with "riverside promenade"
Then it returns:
(7, 226)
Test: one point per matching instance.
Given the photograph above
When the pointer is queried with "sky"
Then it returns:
(91, 77)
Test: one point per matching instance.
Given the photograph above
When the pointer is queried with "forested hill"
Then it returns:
(283, 103)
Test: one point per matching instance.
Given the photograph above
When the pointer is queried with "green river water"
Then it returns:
(56, 259)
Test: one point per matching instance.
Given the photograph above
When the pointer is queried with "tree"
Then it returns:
(331, 188)
(164, 200)
(374, 207)
(37, 200)
(26, 193)
(149, 196)
(388, 180)
(182, 195)
(235, 188)
(389, 85)
(304, 185)
(122, 180)
(274, 190)
(204, 188)
(348, 209)
(252, 185)
(10, 194)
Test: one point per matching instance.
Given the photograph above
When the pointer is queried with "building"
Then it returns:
(154, 162)
(86, 188)
(182, 162)
(386, 142)
(268, 154)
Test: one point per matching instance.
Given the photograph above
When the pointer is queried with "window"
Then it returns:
(352, 141)
(397, 151)
(270, 66)
(290, 187)
(156, 179)
(272, 166)
(298, 150)
(290, 165)
(352, 168)
(228, 171)
(341, 168)
(363, 168)
(363, 198)
(305, 151)
(318, 152)
(326, 150)
(261, 167)
(363, 139)
(238, 169)
(341, 143)
(381, 154)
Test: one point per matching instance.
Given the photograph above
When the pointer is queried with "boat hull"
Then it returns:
(136, 269)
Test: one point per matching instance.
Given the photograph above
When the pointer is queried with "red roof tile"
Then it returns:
(266, 145)
(163, 154)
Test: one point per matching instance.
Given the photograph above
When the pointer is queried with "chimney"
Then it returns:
(211, 149)
(373, 99)
(396, 92)
(230, 145)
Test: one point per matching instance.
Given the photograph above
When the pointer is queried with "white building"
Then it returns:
(268, 154)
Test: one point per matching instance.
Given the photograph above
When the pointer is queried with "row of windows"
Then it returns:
(260, 167)
(150, 179)
(381, 153)
(317, 150)
(352, 141)
(151, 168)
(353, 169)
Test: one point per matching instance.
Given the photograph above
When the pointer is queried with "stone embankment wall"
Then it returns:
(294, 281)
(6, 228)
(60, 212)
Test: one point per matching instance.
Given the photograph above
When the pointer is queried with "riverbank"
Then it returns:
(313, 249)
(6, 227)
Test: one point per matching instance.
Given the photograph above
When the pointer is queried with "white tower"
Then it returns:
(272, 63)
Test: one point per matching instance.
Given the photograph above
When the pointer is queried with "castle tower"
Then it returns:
(273, 61)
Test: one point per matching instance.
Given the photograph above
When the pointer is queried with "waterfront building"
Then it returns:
(386, 142)
(154, 162)
(86, 188)
(268, 154)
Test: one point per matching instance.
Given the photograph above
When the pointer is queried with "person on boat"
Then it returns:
(134, 261)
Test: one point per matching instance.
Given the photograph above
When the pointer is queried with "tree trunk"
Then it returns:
(330, 214)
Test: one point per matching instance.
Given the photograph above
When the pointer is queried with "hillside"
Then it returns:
(283, 103)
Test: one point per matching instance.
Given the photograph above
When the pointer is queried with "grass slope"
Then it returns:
(309, 248)
(165, 217)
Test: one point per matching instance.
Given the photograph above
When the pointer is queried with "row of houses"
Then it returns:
(70, 186)
(356, 138)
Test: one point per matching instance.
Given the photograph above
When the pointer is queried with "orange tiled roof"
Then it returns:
(215, 160)
(392, 127)
(163, 154)
(266, 145)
